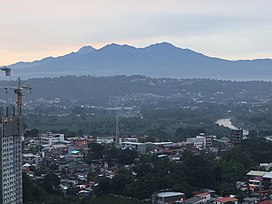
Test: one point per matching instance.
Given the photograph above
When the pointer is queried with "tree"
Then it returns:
(32, 133)
(31, 192)
(103, 186)
(51, 182)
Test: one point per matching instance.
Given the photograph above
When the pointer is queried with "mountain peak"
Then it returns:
(85, 49)
(114, 46)
(163, 44)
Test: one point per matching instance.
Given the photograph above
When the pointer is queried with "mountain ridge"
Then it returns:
(156, 60)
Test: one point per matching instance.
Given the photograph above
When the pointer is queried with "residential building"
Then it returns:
(50, 138)
(209, 140)
(236, 135)
(267, 180)
(167, 197)
(194, 200)
(226, 200)
(140, 147)
(204, 196)
(198, 141)
(10, 158)
(249, 200)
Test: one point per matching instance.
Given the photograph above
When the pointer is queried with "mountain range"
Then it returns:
(156, 60)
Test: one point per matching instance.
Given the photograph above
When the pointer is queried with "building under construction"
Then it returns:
(11, 157)
(11, 132)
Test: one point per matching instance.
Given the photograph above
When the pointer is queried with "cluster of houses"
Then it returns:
(67, 157)
(206, 196)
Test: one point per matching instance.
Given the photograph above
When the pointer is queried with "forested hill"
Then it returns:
(134, 90)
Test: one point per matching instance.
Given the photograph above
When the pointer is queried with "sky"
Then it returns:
(229, 29)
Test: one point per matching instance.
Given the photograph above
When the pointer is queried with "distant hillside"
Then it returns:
(157, 60)
(141, 90)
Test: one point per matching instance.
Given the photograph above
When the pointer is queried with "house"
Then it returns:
(226, 200)
(204, 196)
(256, 173)
(266, 202)
(267, 180)
(194, 200)
(256, 179)
(251, 200)
(255, 183)
(167, 197)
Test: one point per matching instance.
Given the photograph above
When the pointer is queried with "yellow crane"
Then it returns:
(18, 91)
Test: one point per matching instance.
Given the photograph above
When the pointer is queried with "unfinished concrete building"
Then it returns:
(10, 157)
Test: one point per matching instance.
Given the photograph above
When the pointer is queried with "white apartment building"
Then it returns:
(50, 138)
(198, 141)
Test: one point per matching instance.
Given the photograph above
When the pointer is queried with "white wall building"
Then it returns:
(198, 141)
(50, 138)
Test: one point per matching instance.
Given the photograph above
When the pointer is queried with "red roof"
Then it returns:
(257, 178)
(226, 199)
(266, 202)
(202, 194)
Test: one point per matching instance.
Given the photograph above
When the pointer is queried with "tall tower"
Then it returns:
(10, 157)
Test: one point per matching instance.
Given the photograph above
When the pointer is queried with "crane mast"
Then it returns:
(19, 97)
(17, 90)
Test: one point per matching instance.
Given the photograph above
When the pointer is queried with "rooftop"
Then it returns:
(226, 199)
(202, 194)
(192, 200)
(169, 194)
(268, 175)
(266, 202)
(256, 173)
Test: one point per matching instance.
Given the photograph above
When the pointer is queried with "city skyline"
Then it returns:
(31, 30)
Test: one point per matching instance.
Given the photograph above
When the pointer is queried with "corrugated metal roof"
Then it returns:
(169, 194)
(268, 175)
(226, 199)
(256, 173)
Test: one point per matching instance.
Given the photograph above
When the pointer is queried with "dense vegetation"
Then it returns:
(142, 90)
(172, 123)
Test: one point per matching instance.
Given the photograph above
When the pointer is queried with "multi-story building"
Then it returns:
(50, 138)
(236, 135)
(198, 141)
(10, 158)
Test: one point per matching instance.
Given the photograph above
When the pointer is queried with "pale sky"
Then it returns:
(230, 29)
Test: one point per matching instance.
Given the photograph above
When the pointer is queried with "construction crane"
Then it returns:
(18, 90)
(6, 70)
